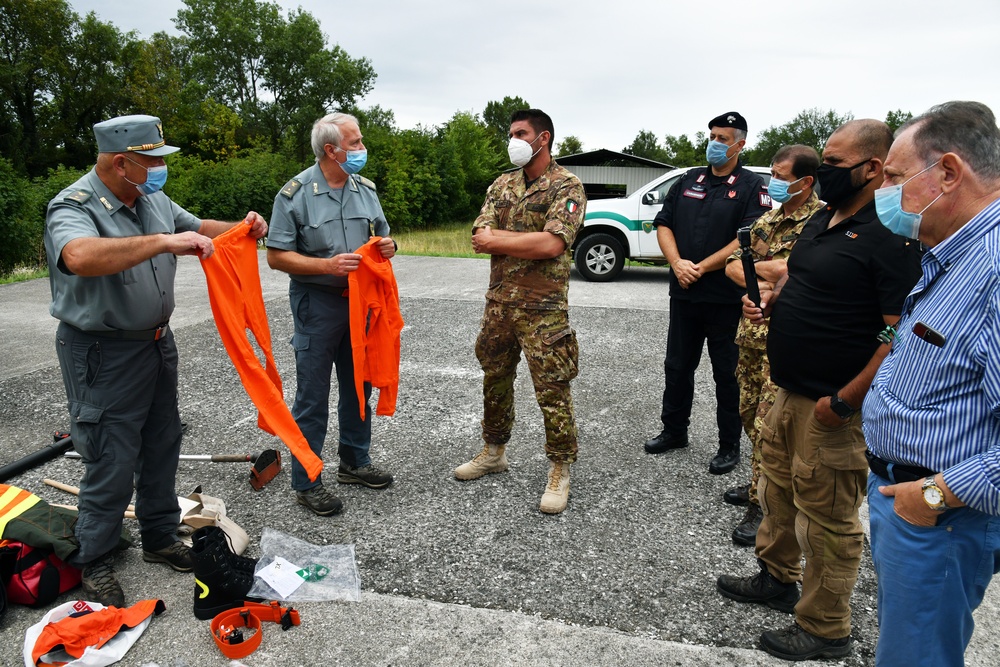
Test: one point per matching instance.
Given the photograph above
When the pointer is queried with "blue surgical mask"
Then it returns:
(356, 161)
(889, 207)
(717, 153)
(778, 189)
(156, 178)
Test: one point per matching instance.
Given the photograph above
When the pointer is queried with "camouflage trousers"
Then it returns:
(757, 392)
(550, 348)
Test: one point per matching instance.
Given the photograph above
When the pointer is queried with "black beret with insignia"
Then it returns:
(729, 119)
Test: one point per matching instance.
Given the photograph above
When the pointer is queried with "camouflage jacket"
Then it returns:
(554, 203)
(773, 236)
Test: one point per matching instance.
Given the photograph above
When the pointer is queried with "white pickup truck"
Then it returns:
(618, 229)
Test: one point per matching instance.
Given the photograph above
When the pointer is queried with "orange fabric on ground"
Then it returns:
(75, 633)
(238, 304)
(374, 301)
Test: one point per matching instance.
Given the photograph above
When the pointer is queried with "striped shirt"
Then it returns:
(935, 401)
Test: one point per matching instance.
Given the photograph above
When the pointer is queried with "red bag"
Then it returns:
(34, 576)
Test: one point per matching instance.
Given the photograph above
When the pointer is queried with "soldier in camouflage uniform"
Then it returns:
(774, 233)
(528, 224)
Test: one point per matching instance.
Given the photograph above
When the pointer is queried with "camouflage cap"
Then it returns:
(729, 119)
(136, 134)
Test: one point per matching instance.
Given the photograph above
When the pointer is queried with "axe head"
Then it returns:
(265, 468)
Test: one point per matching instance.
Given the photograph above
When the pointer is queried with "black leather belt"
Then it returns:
(120, 334)
(896, 472)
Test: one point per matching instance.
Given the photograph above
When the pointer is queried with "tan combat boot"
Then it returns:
(492, 459)
(557, 490)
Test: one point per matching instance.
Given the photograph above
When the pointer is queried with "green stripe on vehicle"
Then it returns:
(631, 225)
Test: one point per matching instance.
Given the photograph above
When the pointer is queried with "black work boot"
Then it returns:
(761, 588)
(745, 533)
(319, 500)
(794, 643)
(222, 579)
(738, 495)
(727, 459)
(665, 442)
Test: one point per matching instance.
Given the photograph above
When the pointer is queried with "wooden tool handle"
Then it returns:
(62, 487)
(75, 490)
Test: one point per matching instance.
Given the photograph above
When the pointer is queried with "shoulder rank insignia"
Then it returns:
(365, 182)
(290, 188)
(80, 196)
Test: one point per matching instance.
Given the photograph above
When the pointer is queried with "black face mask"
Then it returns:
(836, 184)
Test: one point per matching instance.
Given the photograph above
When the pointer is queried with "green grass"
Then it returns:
(22, 274)
(448, 241)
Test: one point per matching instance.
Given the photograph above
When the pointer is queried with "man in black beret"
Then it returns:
(696, 230)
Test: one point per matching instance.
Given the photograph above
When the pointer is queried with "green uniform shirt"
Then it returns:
(138, 298)
(773, 235)
(315, 220)
(554, 203)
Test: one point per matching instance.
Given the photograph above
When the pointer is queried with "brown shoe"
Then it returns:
(177, 556)
(100, 585)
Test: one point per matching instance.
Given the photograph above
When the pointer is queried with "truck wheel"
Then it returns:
(600, 258)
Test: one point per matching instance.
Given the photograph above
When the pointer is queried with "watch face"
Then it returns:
(840, 408)
(933, 496)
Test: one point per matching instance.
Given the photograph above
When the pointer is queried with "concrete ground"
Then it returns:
(451, 572)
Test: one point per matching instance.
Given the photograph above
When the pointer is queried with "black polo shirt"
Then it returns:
(840, 282)
(704, 211)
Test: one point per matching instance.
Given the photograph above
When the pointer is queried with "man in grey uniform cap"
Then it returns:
(112, 239)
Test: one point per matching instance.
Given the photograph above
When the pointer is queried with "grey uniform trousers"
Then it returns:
(125, 424)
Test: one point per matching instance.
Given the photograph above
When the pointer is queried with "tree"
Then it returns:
(465, 143)
(895, 119)
(680, 152)
(646, 145)
(496, 115)
(811, 127)
(33, 39)
(276, 73)
(570, 146)
(86, 88)
(306, 79)
(153, 82)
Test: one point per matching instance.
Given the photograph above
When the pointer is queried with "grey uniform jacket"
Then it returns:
(311, 218)
(138, 298)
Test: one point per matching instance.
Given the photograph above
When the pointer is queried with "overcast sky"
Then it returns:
(604, 70)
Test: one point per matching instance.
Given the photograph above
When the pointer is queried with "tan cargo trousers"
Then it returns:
(813, 483)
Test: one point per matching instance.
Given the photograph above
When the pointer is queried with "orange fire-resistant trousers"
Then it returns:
(238, 304)
(375, 327)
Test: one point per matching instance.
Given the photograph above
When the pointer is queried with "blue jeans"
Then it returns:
(930, 580)
(322, 340)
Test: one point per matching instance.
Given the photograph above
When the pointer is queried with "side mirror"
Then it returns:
(651, 197)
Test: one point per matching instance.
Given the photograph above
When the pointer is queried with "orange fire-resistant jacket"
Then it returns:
(96, 628)
(375, 326)
(238, 304)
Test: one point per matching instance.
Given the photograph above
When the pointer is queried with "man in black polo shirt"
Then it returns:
(847, 278)
(696, 230)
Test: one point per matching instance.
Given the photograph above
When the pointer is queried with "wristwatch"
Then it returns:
(840, 407)
(933, 495)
